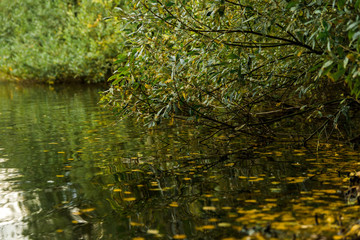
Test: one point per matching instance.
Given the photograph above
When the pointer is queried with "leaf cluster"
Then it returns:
(231, 64)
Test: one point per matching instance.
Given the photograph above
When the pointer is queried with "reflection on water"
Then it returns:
(70, 171)
(12, 211)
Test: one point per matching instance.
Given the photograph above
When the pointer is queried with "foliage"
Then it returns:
(56, 40)
(236, 64)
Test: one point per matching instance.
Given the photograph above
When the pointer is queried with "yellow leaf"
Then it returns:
(229, 164)
(270, 199)
(87, 210)
(152, 231)
(209, 208)
(179, 236)
(135, 224)
(174, 204)
(129, 199)
(59, 175)
(169, 80)
(208, 227)
(224, 224)
(355, 230)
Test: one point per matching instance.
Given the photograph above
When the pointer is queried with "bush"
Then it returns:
(56, 41)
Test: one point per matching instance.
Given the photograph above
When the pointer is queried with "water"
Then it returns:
(70, 170)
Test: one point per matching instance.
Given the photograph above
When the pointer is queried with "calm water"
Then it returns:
(69, 170)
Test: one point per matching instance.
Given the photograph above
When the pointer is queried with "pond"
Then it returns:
(71, 170)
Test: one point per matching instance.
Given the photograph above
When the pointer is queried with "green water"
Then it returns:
(70, 170)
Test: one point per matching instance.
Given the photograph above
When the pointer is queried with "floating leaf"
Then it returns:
(87, 210)
(129, 199)
(136, 224)
(224, 224)
(209, 208)
(174, 204)
(179, 236)
(152, 231)
(208, 227)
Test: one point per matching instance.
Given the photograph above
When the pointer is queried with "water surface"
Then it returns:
(70, 170)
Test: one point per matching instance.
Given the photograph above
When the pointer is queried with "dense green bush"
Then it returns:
(53, 41)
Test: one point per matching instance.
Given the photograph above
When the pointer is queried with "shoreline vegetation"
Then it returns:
(58, 41)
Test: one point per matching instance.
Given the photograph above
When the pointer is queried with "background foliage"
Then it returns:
(240, 65)
(56, 40)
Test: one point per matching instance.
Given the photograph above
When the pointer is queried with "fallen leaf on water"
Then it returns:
(179, 236)
(224, 224)
(206, 227)
(355, 230)
(152, 231)
(129, 199)
(174, 204)
(87, 210)
(135, 224)
(209, 208)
